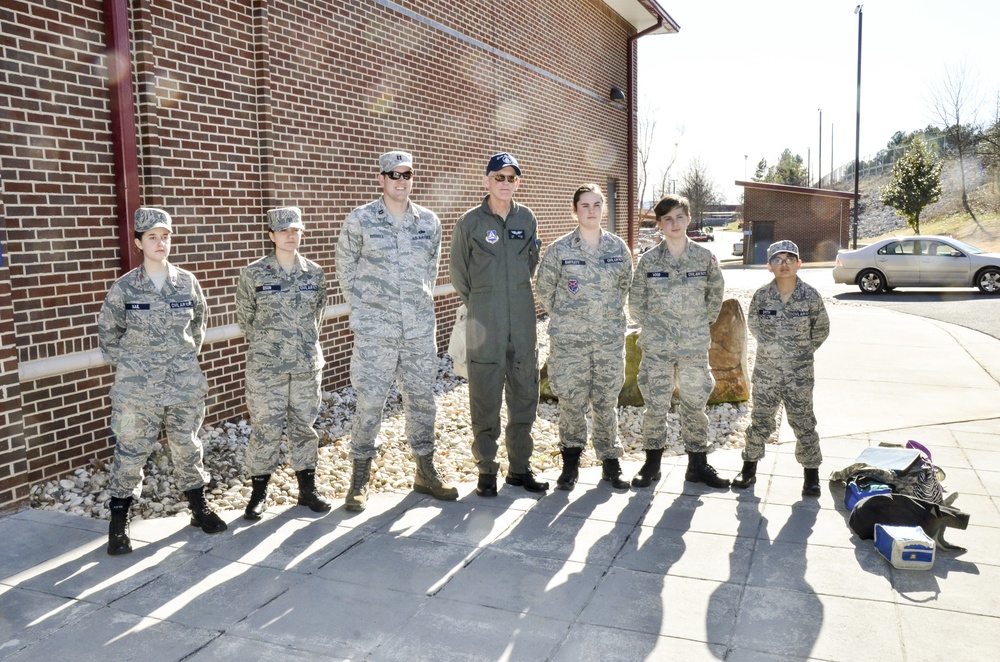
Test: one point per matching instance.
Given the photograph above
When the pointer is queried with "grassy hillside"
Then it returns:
(947, 217)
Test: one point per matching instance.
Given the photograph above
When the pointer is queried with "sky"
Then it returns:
(744, 80)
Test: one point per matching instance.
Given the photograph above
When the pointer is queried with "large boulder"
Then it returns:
(727, 357)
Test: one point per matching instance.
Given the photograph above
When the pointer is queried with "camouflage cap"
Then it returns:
(147, 218)
(783, 246)
(391, 160)
(284, 218)
(500, 161)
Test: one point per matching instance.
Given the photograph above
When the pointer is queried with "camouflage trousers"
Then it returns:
(516, 379)
(792, 385)
(375, 364)
(587, 376)
(282, 403)
(136, 428)
(656, 382)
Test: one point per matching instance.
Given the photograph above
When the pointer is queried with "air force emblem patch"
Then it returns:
(574, 286)
(491, 237)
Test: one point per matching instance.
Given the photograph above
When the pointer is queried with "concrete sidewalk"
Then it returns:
(679, 572)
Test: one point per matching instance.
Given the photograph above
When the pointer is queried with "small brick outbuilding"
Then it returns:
(818, 220)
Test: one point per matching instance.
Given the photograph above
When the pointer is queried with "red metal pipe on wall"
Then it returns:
(123, 141)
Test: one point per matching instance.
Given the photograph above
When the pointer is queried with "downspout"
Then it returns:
(123, 141)
(632, 110)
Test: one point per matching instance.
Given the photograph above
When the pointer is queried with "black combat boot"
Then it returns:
(650, 469)
(810, 486)
(611, 471)
(571, 469)
(700, 471)
(527, 481)
(487, 485)
(361, 476)
(118, 540)
(258, 498)
(747, 476)
(308, 496)
(201, 514)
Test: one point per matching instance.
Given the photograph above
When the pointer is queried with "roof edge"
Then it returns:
(802, 190)
(645, 14)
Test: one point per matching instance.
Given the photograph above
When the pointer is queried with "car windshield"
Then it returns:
(962, 246)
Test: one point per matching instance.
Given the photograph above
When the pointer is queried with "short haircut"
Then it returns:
(669, 203)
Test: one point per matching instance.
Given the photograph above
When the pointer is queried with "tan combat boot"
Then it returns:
(361, 475)
(426, 480)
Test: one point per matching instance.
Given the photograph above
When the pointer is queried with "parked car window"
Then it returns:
(892, 248)
(965, 248)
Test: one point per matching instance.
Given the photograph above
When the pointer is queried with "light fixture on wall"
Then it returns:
(617, 94)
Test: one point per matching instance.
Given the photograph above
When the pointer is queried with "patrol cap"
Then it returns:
(501, 161)
(147, 218)
(284, 218)
(783, 246)
(390, 160)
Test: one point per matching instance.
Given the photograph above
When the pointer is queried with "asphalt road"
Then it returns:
(966, 307)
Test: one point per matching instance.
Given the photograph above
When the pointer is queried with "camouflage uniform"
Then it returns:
(676, 301)
(584, 290)
(280, 316)
(387, 270)
(492, 262)
(787, 336)
(152, 339)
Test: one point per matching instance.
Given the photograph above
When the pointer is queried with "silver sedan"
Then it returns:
(919, 261)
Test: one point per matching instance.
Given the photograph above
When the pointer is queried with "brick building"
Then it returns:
(817, 220)
(219, 109)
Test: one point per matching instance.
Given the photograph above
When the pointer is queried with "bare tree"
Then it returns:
(699, 188)
(956, 104)
(665, 186)
(989, 146)
(646, 130)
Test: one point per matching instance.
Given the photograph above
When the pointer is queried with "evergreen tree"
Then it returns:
(915, 183)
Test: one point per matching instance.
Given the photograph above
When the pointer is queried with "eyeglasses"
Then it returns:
(778, 261)
(393, 175)
(510, 178)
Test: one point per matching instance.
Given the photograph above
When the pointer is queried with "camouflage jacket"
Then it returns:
(280, 315)
(676, 300)
(584, 289)
(788, 332)
(152, 338)
(387, 270)
(492, 262)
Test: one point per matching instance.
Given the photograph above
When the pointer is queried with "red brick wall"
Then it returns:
(12, 460)
(818, 224)
(242, 105)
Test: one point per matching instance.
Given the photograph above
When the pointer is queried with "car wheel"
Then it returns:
(871, 281)
(988, 281)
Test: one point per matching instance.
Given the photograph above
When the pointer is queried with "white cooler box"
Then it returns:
(906, 547)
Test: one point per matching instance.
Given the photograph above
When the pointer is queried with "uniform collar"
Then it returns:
(577, 241)
(408, 215)
(272, 263)
(142, 277)
(485, 206)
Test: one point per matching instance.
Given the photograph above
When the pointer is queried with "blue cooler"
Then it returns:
(905, 547)
(855, 493)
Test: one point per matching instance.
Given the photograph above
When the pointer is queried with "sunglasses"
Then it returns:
(510, 178)
(393, 175)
